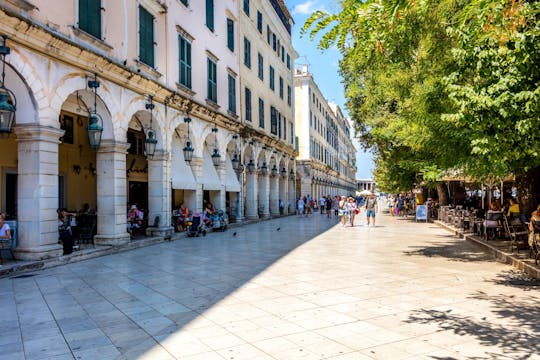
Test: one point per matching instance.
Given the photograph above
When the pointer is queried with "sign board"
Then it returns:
(421, 212)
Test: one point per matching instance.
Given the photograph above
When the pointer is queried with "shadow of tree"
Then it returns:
(518, 279)
(519, 342)
(455, 251)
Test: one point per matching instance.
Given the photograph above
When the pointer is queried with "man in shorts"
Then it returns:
(371, 208)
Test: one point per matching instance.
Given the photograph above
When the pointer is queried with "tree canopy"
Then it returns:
(437, 85)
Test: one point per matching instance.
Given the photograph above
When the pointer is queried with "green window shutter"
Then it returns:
(210, 14)
(146, 37)
(232, 94)
(184, 61)
(212, 84)
(230, 34)
(90, 17)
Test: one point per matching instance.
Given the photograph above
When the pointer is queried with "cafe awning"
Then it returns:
(181, 174)
(210, 179)
(231, 180)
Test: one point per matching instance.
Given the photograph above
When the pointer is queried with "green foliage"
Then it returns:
(438, 85)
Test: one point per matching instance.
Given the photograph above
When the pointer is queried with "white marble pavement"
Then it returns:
(310, 290)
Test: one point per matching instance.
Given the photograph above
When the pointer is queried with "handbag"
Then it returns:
(356, 211)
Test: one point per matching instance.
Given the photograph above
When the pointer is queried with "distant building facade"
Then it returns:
(366, 184)
(326, 163)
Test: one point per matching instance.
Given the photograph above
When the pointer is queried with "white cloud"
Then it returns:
(305, 8)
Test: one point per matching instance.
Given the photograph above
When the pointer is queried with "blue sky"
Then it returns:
(323, 65)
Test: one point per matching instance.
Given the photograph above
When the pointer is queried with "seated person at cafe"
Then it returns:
(513, 208)
(64, 230)
(134, 218)
(5, 232)
(181, 215)
(535, 216)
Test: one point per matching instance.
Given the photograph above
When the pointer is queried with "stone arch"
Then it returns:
(141, 115)
(76, 83)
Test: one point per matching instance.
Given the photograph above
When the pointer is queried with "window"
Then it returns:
(268, 34)
(288, 61)
(261, 113)
(284, 128)
(281, 87)
(272, 81)
(210, 14)
(259, 22)
(279, 125)
(261, 66)
(291, 132)
(282, 53)
(248, 104)
(90, 17)
(146, 37)
(274, 42)
(212, 81)
(232, 94)
(246, 7)
(185, 2)
(230, 34)
(273, 120)
(184, 47)
(289, 95)
(247, 53)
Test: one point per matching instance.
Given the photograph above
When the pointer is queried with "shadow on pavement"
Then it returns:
(517, 279)
(454, 250)
(140, 298)
(519, 342)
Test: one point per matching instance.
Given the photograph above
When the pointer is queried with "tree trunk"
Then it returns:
(528, 187)
(442, 192)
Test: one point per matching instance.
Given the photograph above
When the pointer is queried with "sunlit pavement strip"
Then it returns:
(312, 290)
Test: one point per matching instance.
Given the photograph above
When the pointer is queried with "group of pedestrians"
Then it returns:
(346, 208)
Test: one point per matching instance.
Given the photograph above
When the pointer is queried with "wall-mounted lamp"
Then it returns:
(151, 140)
(77, 168)
(264, 169)
(216, 157)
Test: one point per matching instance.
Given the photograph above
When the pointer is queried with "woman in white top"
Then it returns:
(5, 232)
(300, 206)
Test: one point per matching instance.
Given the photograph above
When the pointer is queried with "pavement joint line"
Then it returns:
(499, 255)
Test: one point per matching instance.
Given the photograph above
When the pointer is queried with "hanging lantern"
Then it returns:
(188, 149)
(216, 157)
(95, 123)
(264, 169)
(283, 172)
(274, 170)
(151, 140)
(235, 162)
(251, 166)
(291, 174)
(8, 102)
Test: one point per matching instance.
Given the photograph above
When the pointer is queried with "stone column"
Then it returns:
(196, 168)
(240, 198)
(221, 199)
(274, 195)
(251, 196)
(264, 182)
(111, 193)
(37, 193)
(283, 193)
(292, 195)
(159, 194)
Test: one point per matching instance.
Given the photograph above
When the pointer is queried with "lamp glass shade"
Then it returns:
(264, 169)
(235, 162)
(7, 113)
(94, 130)
(274, 171)
(150, 143)
(283, 172)
(188, 151)
(251, 166)
(216, 157)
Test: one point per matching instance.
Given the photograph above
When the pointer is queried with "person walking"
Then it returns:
(322, 203)
(300, 206)
(351, 210)
(328, 202)
(372, 207)
(342, 210)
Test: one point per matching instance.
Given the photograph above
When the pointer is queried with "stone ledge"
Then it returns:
(499, 255)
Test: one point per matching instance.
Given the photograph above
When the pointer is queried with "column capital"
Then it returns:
(111, 146)
(36, 132)
(161, 155)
